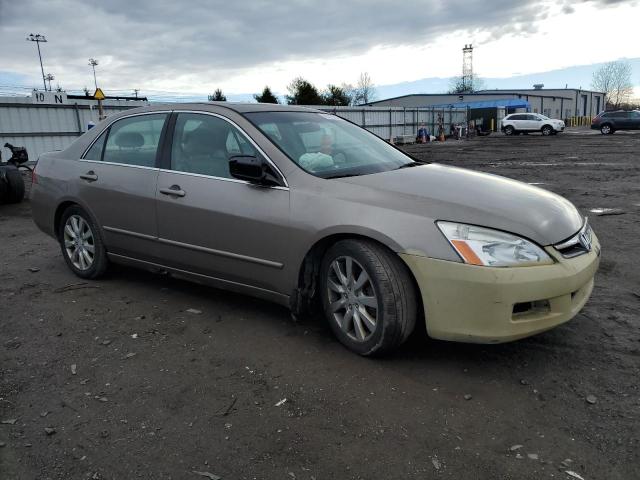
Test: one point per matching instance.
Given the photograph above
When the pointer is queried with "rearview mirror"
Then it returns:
(252, 169)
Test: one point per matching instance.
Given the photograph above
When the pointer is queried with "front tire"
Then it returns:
(368, 297)
(547, 130)
(81, 244)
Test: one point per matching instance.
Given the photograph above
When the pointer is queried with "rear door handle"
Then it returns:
(174, 191)
(90, 176)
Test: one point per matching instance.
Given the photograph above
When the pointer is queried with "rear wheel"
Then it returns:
(81, 244)
(606, 129)
(509, 130)
(368, 297)
(547, 130)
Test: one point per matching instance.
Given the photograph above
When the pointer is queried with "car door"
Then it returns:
(210, 223)
(635, 120)
(519, 121)
(533, 122)
(117, 182)
(627, 121)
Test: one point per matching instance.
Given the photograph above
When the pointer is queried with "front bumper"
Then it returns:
(475, 304)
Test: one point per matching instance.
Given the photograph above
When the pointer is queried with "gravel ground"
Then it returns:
(144, 376)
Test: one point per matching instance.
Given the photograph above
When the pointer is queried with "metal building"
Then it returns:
(564, 103)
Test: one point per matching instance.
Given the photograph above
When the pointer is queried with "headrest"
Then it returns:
(129, 140)
(203, 141)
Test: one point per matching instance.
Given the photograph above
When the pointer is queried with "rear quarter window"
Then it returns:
(95, 152)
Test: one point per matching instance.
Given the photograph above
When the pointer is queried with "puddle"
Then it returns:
(607, 211)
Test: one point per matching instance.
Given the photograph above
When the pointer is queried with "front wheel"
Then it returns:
(81, 245)
(547, 130)
(368, 297)
(509, 130)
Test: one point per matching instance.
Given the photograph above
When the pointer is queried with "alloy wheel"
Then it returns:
(353, 303)
(79, 242)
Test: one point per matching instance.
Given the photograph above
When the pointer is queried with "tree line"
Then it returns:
(302, 92)
(613, 78)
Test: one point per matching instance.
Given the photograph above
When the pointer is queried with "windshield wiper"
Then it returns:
(409, 165)
(342, 175)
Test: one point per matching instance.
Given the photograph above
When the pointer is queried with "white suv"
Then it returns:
(531, 122)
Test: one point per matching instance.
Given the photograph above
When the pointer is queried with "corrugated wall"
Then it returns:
(391, 122)
(44, 128)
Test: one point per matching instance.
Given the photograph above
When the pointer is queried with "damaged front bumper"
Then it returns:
(480, 304)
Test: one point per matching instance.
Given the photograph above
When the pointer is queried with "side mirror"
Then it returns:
(252, 169)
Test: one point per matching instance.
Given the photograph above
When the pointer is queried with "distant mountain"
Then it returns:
(571, 77)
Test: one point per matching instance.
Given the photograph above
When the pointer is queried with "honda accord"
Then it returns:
(306, 209)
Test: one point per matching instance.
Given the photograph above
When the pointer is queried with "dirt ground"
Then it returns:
(117, 379)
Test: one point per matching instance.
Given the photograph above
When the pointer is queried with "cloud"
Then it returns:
(168, 39)
(165, 42)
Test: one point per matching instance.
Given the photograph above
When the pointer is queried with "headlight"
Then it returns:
(492, 248)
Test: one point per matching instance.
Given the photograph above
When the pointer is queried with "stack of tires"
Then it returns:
(11, 184)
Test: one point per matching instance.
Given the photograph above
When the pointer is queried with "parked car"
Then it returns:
(516, 123)
(311, 211)
(609, 122)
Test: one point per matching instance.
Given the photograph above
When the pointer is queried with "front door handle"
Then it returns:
(90, 176)
(174, 191)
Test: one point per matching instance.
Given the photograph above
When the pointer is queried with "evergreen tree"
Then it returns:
(336, 96)
(302, 92)
(266, 96)
(217, 96)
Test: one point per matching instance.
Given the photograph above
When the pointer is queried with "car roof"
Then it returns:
(239, 107)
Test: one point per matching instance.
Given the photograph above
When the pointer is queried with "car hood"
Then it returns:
(456, 194)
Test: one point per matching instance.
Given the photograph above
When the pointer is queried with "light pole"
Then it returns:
(93, 62)
(39, 38)
(48, 78)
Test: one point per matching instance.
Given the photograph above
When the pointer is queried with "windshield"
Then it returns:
(328, 146)
(544, 117)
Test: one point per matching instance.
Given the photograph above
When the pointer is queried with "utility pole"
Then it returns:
(135, 91)
(48, 78)
(93, 62)
(39, 38)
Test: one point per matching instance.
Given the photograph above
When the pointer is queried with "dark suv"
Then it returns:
(609, 122)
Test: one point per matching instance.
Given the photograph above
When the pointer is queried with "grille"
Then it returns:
(577, 245)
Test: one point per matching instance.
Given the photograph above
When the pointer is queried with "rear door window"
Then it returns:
(135, 140)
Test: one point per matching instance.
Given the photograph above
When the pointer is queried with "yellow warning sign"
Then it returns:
(99, 95)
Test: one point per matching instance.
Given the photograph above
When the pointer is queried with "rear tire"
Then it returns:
(606, 129)
(81, 244)
(368, 296)
(509, 130)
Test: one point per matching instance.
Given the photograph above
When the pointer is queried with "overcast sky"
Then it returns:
(197, 46)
